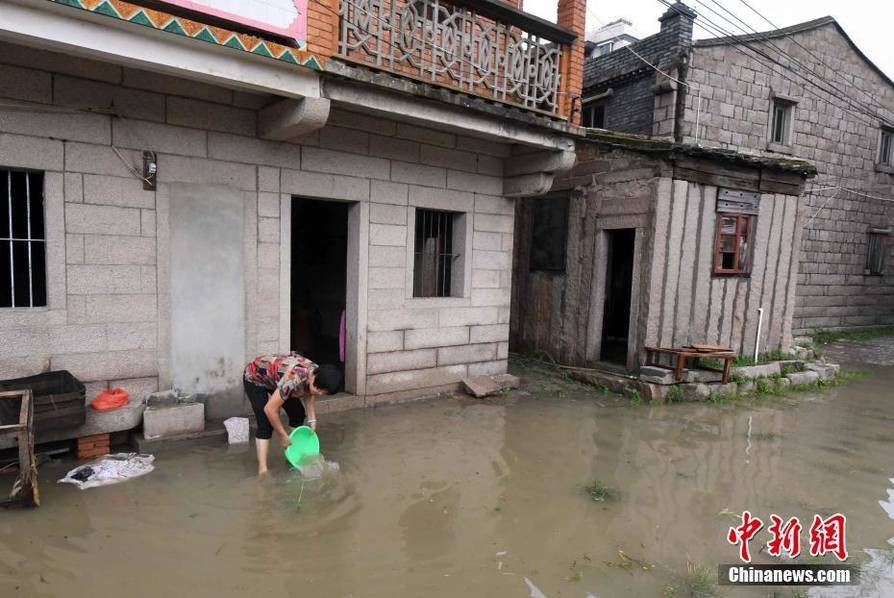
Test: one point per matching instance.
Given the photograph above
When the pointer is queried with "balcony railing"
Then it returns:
(489, 49)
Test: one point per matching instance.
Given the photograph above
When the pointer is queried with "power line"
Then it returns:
(725, 37)
(767, 39)
(810, 52)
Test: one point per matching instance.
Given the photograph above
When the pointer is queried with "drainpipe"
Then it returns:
(757, 340)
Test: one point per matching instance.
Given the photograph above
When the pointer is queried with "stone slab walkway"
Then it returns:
(877, 351)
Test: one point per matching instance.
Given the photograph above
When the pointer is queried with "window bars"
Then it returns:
(22, 240)
(433, 255)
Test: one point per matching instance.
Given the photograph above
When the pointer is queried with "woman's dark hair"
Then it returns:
(328, 378)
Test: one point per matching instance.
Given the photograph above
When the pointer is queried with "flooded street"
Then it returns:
(462, 497)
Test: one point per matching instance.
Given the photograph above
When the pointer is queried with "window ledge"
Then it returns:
(779, 148)
(422, 302)
(888, 168)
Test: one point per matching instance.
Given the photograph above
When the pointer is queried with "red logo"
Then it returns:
(826, 536)
(744, 533)
(786, 537)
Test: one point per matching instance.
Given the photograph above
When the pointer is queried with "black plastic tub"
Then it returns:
(59, 399)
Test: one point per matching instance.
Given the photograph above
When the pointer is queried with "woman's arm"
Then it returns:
(271, 410)
(310, 410)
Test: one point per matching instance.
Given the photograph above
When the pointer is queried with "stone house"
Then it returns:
(185, 190)
(805, 91)
(652, 243)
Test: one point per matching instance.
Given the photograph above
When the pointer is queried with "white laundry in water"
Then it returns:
(111, 469)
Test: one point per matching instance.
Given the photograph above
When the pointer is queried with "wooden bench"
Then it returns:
(681, 354)
(17, 406)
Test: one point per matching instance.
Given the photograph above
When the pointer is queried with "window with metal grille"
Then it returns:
(886, 148)
(549, 234)
(23, 279)
(877, 251)
(434, 254)
(782, 121)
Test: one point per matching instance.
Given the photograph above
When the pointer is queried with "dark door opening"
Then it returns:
(319, 278)
(618, 285)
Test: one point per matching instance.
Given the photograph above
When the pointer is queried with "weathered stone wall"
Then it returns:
(737, 92)
(677, 300)
(109, 250)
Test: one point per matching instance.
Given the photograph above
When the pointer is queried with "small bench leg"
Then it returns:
(678, 373)
(726, 370)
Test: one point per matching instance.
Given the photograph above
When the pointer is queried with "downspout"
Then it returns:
(682, 91)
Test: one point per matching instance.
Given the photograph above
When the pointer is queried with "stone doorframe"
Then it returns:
(597, 293)
(355, 290)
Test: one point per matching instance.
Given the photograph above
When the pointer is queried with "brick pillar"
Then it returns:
(322, 27)
(573, 16)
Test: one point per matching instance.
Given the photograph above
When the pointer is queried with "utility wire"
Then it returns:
(768, 40)
(809, 51)
(725, 38)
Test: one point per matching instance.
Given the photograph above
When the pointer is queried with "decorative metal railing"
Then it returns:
(453, 46)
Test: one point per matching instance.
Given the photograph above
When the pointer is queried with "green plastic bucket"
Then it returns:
(305, 445)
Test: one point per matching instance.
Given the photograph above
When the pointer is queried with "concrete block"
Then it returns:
(388, 192)
(494, 204)
(441, 199)
(386, 298)
(490, 165)
(165, 421)
(114, 308)
(363, 122)
(79, 126)
(159, 137)
(387, 214)
(344, 139)
(765, 370)
(381, 255)
(656, 375)
(325, 186)
(268, 230)
(148, 279)
(491, 333)
(104, 249)
(426, 338)
(236, 148)
(177, 86)
(494, 223)
(507, 381)
(824, 372)
(394, 149)
(115, 365)
(485, 279)
(468, 316)
(415, 379)
(333, 162)
(803, 341)
(467, 354)
(488, 368)
(73, 187)
(268, 179)
(215, 117)
(727, 390)
(384, 342)
(99, 280)
(483, 146)
(466, 181)
(503, 350)
(490, 297)
(491, 260)
(487, 241)
(387, 278)
(78, 339)
(423, 135)
(74, 249)
(107, 220)
(139, 388)
(383, 320)
(388, 234)
(147, 223)
(130, 103)
(481, 386)
(181, 169)
(26, 84)
(139, 335)
(380, 363)
(417, 174)
(808, 377)
(439, 156)
(268, 255)
(19, 151)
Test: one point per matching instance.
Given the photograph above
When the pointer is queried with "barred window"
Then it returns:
(23, 279)
(732, 245)
(877, 251)
(434, 254)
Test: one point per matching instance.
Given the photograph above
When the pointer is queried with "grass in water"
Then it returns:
(824, 337)
(598, 491)
(699, 581)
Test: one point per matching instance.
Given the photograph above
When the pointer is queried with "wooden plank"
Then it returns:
(732, 181)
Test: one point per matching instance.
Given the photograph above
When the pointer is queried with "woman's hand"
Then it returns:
(284, 440)
(311, 423)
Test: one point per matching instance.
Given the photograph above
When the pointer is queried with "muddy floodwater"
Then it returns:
(457, 497)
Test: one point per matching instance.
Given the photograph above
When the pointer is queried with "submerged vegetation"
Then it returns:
(824, 337)
(599, 491)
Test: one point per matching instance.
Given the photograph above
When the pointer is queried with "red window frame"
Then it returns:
(738, 244)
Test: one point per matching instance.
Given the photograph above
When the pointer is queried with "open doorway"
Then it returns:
(618, 288)
(319, 278)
